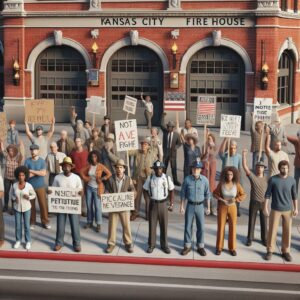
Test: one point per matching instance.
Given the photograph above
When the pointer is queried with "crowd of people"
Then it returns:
(88, 161)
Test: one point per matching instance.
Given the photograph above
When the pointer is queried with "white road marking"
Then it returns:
(146, 284)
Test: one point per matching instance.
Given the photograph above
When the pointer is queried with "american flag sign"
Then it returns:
(206, 110)
(174, 101)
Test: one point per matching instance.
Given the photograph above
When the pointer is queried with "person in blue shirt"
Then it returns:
(195, 190)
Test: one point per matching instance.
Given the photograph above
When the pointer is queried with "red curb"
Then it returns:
(151, 261)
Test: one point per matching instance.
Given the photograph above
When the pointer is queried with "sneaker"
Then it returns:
(57, 248)
(201, 251)
(186, 250)
(110, 249)
(150, 249)
(233, 252)
(268, 256)
(47, 226)
(88, 225)
(218, 251)
(28, 246)
(77, 248)
(287, 256)
(32, 227)
(98, 228)
(166, 250)
(129, 248)
(17, 244)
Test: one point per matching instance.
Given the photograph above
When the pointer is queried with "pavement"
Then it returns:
(94, 244)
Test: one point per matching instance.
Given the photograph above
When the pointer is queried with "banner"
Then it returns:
(206, 110)
(174, 101)
(230, 126)
(64, 201)
(126, 135)
(263, 110)
(39, 111)
(96, 105)
(116, 202)
(130, 105)
(3, 127)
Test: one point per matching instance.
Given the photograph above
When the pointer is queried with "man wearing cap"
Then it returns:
(195, 190)
(95, 142)
(37, 173)
(65, 143)
(107, 127)
(296, 142)
(259, 186)
(171, 142)
(141, 170)
(79, 130)
(119, 183)
(159, 186)
(67, 179)
(41, 140)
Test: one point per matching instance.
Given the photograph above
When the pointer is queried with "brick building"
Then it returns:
(71, 50)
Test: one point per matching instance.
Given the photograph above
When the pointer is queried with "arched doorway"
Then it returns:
(60, 75)
(131, 71)
(216, 71)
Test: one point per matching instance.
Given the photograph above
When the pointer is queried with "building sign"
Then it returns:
(263, 110)
(206, 110)
(64, 201)
(230, 126)
(116, 202)
(126, 135)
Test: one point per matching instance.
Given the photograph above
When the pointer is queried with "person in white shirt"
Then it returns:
(22, 193)
(148, 109)
(67, 179)
(53, 160)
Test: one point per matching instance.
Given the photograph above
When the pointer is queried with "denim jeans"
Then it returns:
(60, 229)
(18, 225)
(93, 204)
(297, 176)
(1, 222)
(255, 158)
(191, 212)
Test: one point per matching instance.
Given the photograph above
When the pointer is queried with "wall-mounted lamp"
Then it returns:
(16, 72)
(174, 80)
(95, 50)
(174, 50)
(264, 81)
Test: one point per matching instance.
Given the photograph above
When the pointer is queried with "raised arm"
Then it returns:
(51, 131)
(222, 147)
(244, 161)
(163, 124)
(28, 132)
(268, 141)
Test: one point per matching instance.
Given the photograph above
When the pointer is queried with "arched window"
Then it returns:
(285, 78)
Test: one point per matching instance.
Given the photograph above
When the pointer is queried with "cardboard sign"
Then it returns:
(116, 202)
(206, 110)
(39, 111)
(263, 110)
(64, 201)
(96, 105)
(130, 105)
(230, 126)
(126, 135)
(3, 126)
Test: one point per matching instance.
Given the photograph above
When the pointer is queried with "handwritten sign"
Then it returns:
(116, 202)
(230, 126)
(39, 111)
(206, 110)
(64, 201)
(263, 110)
(3, 126)
(130, 105)
(126, 135)
(96, 105)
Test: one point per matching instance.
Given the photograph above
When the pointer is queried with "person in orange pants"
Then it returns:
(228, 192)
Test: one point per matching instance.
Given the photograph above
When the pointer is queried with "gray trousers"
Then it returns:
(1, 222)
(158, 212)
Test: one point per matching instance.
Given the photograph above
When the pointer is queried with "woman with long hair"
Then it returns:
(228, 192)
(191, 152)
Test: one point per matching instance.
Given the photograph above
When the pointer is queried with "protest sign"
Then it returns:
(206, 110)
(96, 105)
(263, 110)
(64, 201)
(230, 126)
(126, 135)
(3, 126)
(39, 111)
(116, 202)
(130, 105)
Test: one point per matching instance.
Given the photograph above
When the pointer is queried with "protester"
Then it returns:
(156, 145)
(284, 206)
(277, 133)
(234, 159)
(296, 142)
(79, 130)
(258, 184)
(195, 190)
(228, 192)
(107, 127)
(23, 193)
(107, 153)
(142, 169)
(188, 129)
(274, 156)
(65, 144)
(69, 180)
(11, 158)
(159, 187)
(12, 133)
(148, 109)
(53, 160)
(39, 139)
(209, 170)
(37, 173)
(171, 142)
(88, 127)
(119, 183)
(95, 142)
(2, 228)
(93, 177)
(190, 152)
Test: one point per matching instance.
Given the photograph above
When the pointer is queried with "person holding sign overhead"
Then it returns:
(119, 183)
(67, 179)
(148, 109)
